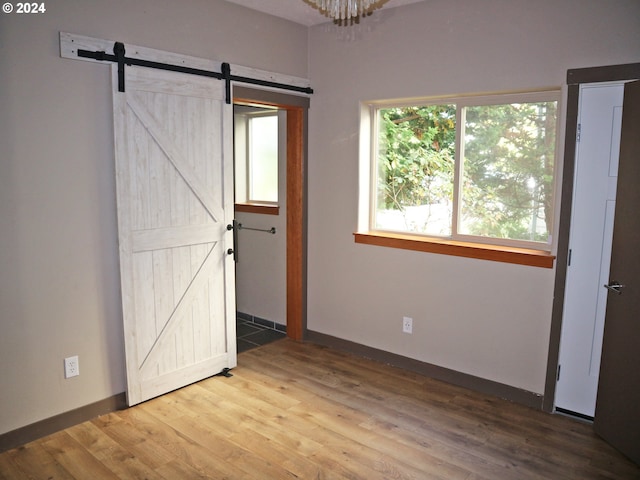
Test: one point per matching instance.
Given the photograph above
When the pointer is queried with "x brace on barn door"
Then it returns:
(119, 57)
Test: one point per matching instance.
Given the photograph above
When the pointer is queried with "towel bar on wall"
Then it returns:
(269, 230)
(236, 227)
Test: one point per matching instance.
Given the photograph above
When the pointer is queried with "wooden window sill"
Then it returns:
(496, 253)
(257, 208)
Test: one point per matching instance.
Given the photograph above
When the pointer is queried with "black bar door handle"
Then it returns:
(234, 226)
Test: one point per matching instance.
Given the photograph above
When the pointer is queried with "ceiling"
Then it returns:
(299, 11)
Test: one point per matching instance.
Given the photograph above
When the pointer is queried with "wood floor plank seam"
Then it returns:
(416, 420)
(302, 411)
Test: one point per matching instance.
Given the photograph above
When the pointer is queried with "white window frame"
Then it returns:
(243, 164)
(368, 169)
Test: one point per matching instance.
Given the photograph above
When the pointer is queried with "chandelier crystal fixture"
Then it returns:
(346, 11)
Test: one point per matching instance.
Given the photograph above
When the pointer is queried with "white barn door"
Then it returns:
(174, 173)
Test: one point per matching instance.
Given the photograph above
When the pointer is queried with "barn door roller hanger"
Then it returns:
(119, 57)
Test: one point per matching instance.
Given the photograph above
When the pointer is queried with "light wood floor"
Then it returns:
(302, 411)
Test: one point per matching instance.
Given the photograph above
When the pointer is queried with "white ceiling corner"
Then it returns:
(300, 12)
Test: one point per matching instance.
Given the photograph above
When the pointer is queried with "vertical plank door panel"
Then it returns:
(174, 189)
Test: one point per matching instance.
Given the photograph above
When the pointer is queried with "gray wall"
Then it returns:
(59, 283)
(484, 318)
(59, 280)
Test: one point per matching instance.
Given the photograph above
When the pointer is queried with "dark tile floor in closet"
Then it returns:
(251, 334)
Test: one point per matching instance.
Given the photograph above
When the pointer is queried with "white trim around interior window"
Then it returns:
(520, 252)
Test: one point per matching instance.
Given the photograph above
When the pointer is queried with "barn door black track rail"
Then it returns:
(119, 57)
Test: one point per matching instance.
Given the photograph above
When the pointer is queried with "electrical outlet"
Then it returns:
(71, 367)
(407, 324)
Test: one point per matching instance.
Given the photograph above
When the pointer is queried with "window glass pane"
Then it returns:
(415, 169)
(263, 159)
(507, 186)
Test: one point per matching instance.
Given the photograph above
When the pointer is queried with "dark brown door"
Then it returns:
(617, 417)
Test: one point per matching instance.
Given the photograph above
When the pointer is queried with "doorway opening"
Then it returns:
(260, 215)
(286, 217)
(575, 78)
(594, 202)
